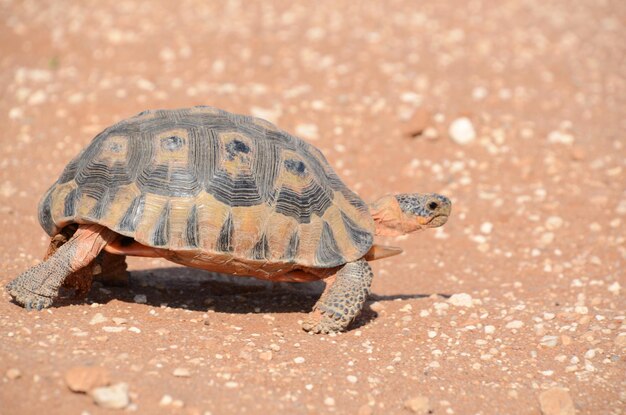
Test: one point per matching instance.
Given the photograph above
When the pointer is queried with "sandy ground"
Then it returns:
(534, 255)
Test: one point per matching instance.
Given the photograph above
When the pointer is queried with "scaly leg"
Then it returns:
(38, 286)
(342, 299)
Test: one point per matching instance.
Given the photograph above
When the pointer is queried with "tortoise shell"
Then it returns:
(204, 184)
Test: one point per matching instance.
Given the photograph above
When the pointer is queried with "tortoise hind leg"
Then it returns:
(38, 286)
(342, 300)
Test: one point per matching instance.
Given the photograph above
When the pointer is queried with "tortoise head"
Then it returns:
(409, 212)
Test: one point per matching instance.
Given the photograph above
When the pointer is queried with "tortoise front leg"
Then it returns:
(342, 300)
(38, 286)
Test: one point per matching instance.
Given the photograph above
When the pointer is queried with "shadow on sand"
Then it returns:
(199, 290)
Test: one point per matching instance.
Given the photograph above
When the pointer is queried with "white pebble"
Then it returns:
(351, 378)
(299, 359)
(490, 329)
(462, 131)
(554, 222)
(486, 228)
(307, 131)
(113, 329)
(181, 372)
(97, 319)
(549, 341)
(461, 300)
(515, 324)
(166, 400)
(615, 288)
(114, 396)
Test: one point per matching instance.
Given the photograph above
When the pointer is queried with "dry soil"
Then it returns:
(514, 109)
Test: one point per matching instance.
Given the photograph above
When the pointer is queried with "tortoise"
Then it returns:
(219, 191)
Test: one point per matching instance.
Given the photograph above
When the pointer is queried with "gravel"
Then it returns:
(111, 397)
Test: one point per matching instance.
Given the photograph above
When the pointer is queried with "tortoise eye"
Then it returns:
(433, 205)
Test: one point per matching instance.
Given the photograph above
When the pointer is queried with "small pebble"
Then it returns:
(549, 341)
(462, 131)
(113, 329)
(13, 373)
(299, 360)
(515, 324)
(181, 372)
(166, 400)
(615, 288)
(486, 228)
(84, 378)
(97, 319)
(266, 355)
(461, 300)
(307, 131)
(418, 405)
(112, 397)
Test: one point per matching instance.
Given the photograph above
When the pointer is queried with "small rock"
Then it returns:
(119, 320)
(113, 397)
(329, 401)
(418, 405)
(269, 114)
(113, 329)
(554, 222)
(490, 329)
(615, 288)
(486, 228)
(166, 400)
(556, 401)
(181, 372)
(97, 319)
(299, 360)
(13, 373)
(549, 341)
(560, 137)
(266, 355)
(275, 347)
(307, 131)
(461, 300)
(85, 378)
(140, 299)
(462, 131)
(515, 324)
(352, 378)
(418, 123)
